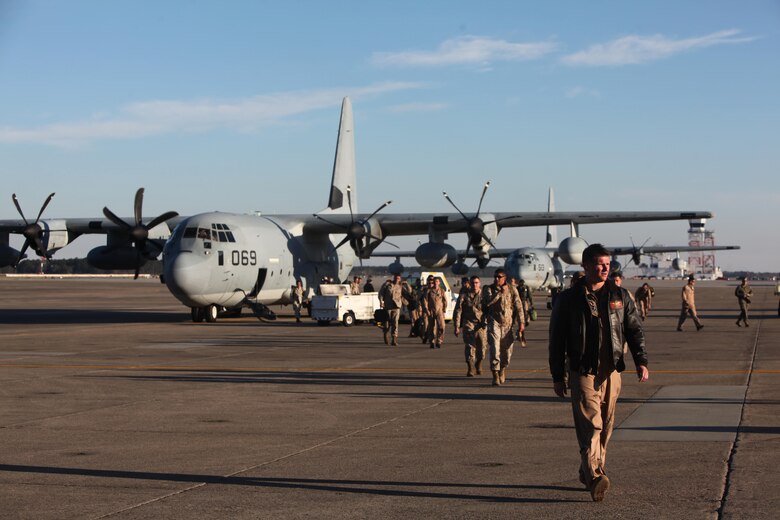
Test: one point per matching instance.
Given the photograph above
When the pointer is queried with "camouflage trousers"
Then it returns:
(501, 342)
(475, 343)
(391, 325)
(435, 330)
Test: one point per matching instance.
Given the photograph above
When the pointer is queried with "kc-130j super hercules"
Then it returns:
(225, 261)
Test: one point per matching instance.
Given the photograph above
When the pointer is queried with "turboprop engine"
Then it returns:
(570, 250)
(435, 255)
(460, 268)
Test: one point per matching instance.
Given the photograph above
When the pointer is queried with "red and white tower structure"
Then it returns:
(701, 262)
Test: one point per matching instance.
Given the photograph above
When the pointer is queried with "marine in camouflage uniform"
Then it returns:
(391, 298)
(743, 292)
(528, 305)
(467, 317)
(501, 306)
(434, 306)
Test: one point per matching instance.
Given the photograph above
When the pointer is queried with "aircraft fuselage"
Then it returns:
(223, 258)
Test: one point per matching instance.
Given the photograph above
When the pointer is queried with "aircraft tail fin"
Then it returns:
(551, 238)
(343, 192)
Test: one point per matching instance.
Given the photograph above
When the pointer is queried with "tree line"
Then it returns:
(76, 266)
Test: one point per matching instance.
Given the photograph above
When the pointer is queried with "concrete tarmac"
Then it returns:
(113, 404)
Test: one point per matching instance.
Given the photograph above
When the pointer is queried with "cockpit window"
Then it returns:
(204, 233)
(222, 233)
(189, 232)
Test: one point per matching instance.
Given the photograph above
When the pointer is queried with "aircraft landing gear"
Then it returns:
(211, 312)
(208, 313)
(197, 314)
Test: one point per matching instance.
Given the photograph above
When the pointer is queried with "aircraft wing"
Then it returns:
(500, 252)
(503, 252)
(630, 250)
(76, 226)
(424, 223)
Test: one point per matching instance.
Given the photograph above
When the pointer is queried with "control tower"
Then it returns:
(701, 262)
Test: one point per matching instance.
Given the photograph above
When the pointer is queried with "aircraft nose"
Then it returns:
(186, 277)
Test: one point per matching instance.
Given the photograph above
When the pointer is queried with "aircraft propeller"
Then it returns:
(356, 230)
(139, 232)
(636, 254)
(475, 226)
(33, 233)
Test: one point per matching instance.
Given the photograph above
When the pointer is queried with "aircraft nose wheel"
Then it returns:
(207, 313)
(210, 312)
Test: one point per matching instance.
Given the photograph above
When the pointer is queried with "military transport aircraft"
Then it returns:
(218, 262)
(542, 267)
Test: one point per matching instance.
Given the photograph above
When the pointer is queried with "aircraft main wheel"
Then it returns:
(211, 312)
(197, 314)
(348, 319)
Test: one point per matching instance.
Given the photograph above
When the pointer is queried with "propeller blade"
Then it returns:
(500, 219)
(385, 241)
(328, 221)
(380, 208)
(349, 203)
(484, 190)
(116, 220)
(19, 208)
(45, 203)
(454, 206)
(162, 218)
(138, 206)
(489, 241)
(137, 263)
(346, 239)
(21, 253)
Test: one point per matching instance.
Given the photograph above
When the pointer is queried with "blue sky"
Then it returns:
(233, 106)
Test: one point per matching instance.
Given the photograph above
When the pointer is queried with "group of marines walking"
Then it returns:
(490, 318)
(593, 325)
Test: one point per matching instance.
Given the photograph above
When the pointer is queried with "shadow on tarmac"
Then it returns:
(306, 378)
(368, 487)
(86, 316)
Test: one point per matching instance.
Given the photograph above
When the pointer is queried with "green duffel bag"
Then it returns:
(532, 314)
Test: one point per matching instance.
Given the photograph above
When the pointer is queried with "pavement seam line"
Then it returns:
(735, 444)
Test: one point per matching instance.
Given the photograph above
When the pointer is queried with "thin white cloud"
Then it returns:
(418, 107)
(579, 91)
(149, 118)
(631, 50)
(466, 50)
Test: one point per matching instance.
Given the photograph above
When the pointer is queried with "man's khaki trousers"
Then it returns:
(594, 417)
